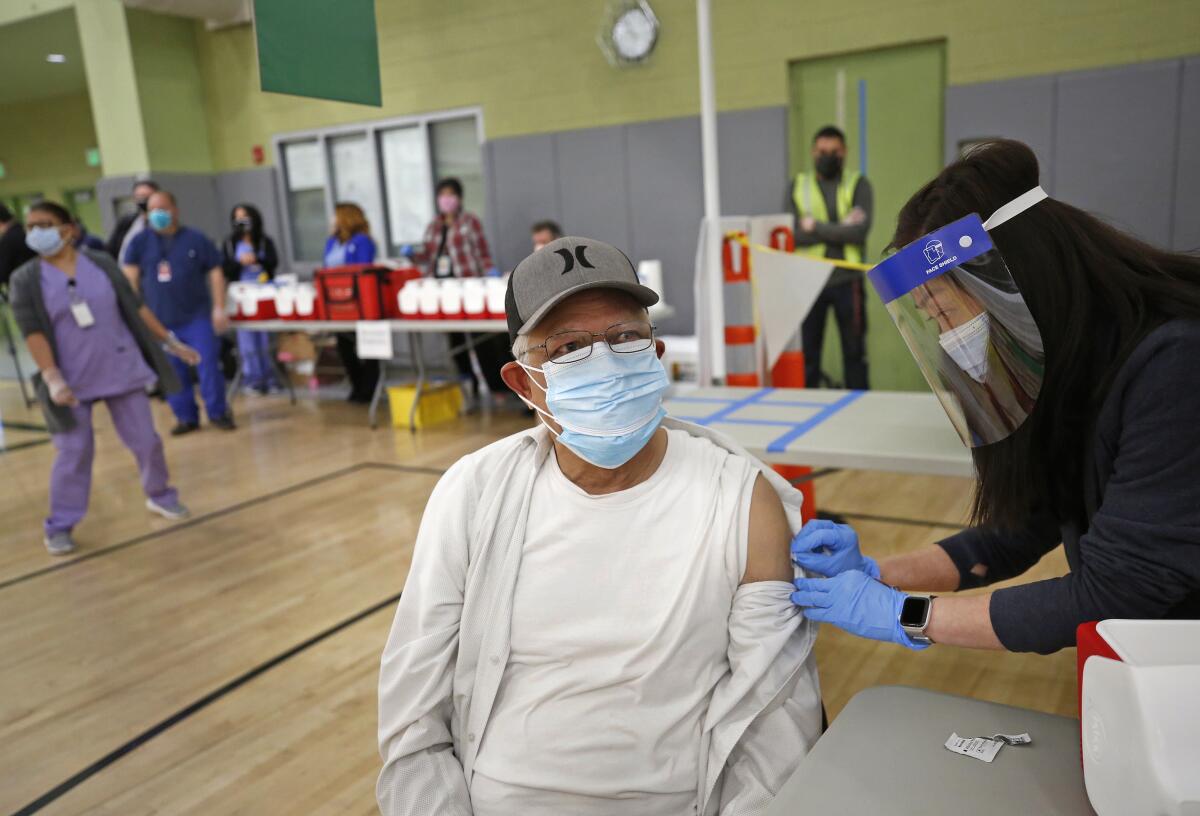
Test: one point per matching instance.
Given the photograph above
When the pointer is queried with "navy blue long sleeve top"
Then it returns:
(1139, 554)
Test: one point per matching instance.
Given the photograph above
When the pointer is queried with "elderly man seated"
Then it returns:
(597, 618)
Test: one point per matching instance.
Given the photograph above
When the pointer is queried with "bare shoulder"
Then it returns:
(769, 556)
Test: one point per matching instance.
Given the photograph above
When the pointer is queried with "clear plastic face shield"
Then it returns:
(964, 320)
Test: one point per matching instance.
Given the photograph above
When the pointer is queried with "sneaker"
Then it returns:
(59, 543)
(173, 510)
(185, 428)
(225, 423)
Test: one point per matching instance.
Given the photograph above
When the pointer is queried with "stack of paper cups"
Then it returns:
(474, 298)
(430, 298)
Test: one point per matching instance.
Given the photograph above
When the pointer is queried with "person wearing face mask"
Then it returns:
(597, 618)
(833, 208)
(351, 243)
(178, 271)
(93, 341)
(249, 255)
(132, 223)
(1064, 352)
(455, 247)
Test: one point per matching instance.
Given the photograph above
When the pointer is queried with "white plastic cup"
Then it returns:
(306, 300)
(285, 301)
(410, 300)
(496, 289)
(430, 298)
(452, 298)
(474, 298)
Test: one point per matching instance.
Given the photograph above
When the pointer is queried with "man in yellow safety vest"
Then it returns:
(833, 215)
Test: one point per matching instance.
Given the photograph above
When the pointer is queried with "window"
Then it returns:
(307, 220)
(387, 168)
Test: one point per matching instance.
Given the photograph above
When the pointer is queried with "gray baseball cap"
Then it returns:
(563, 268)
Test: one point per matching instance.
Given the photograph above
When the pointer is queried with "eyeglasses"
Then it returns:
(575, 345)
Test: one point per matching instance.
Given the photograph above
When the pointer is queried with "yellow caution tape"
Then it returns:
(742, 239)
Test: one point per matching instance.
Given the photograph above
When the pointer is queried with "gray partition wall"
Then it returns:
(637, 186)
(1120, 142)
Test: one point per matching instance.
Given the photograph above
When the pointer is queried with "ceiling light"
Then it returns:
(57, 59)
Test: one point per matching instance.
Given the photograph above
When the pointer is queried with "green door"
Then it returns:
(899, 92)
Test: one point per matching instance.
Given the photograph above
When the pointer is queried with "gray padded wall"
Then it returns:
(666, 202)
(1119, 142)
(754, 161)
(1186, 232)
(593, 187)
(1021, 109)
(637, 186)
(1115, 133)
(524, 189)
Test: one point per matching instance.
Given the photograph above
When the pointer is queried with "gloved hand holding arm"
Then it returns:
(863, 606)
(856, 602)
(830, 549)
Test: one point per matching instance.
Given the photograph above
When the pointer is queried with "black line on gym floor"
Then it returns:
(225, 511)
(205, 701)
(896, 520)
(24, 426)
(32, 443)
(812, 477)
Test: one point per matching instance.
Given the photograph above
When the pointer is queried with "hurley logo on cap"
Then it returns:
(569, 262)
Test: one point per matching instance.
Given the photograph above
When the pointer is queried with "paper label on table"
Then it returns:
(374, 339)
(1013, 739)
(975, 747)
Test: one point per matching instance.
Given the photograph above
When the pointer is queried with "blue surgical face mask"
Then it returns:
(45, 241)
(159, 219)
(608, 405)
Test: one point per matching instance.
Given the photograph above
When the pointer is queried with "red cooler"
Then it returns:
(351, 292)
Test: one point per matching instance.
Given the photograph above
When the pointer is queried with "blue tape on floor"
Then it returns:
(780, 444)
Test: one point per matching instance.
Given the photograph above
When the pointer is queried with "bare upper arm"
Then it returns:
(768, 556)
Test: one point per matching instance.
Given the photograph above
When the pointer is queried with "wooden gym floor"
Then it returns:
(227, 664)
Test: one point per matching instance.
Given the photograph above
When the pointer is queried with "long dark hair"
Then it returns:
(1095, 292)
(256, 224)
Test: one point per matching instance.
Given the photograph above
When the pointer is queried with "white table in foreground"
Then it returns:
(897, 431)
(885, 753)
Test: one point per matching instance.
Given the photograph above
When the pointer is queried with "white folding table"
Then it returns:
(866, 430)
(415, 328)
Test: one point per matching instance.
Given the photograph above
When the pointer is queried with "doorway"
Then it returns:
(889, 103)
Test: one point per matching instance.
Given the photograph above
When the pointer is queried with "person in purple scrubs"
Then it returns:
(93, 341)
(248, 254)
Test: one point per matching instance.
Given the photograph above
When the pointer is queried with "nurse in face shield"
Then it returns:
(1065, 354)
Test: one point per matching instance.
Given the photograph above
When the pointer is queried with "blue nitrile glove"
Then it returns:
(856, 602)
(830, 549)
(492, 272)
(407, 251)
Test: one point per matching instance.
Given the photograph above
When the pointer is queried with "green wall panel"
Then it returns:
(904, 88)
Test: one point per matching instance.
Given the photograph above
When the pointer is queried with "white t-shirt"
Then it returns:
(619, 634)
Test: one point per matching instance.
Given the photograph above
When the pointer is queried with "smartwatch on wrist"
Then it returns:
(914, 617)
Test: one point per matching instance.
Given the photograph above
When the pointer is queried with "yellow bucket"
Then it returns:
(440, 402)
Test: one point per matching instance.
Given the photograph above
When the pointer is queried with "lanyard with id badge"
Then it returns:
(79, 308)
